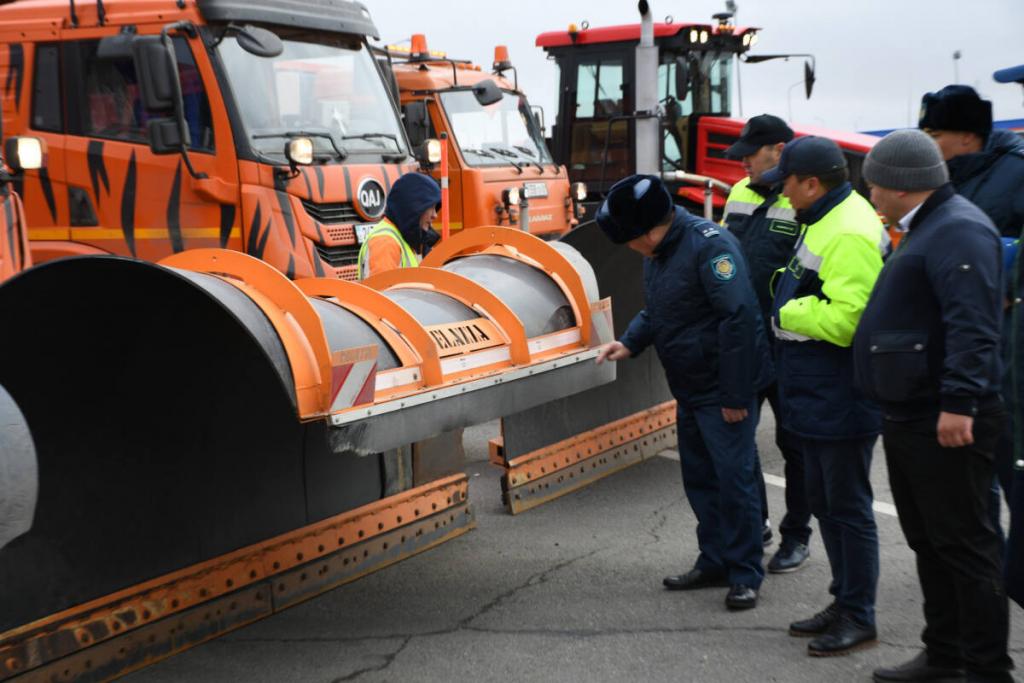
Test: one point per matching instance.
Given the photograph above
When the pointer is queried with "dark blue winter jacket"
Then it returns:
(928, 340)
(994, 180)
(702, 316)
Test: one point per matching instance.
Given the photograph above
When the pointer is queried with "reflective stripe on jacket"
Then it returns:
(819, 298)
(385, 229)
(764, 222)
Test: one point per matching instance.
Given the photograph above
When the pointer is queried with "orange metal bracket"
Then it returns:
(533, 248)
(372, 306)
(288, 309)
(468, 292)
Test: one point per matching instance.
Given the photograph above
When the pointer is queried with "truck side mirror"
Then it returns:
(417, 122)
(154, 68)
(164, 136)
(487, 92)
(682, 78)
(808, 79)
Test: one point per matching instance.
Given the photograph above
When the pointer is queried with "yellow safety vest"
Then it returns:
(385, 227)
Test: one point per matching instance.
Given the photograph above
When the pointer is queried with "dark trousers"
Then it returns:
(840, 496)
(942, 496)
(717, 460)
(1014, 570)
(796, 524)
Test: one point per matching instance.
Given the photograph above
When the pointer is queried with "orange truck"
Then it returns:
(500, 169)
(20, 154)
(173, 125)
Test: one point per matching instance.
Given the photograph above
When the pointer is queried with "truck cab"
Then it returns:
(169, 127)
(500, 169)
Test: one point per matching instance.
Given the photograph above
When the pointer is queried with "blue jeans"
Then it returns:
(836, 474)
(717, 460)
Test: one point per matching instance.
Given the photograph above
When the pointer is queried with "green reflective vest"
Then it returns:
(823, 290)
(385, 228)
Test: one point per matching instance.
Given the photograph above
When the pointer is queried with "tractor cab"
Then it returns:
(595, 131)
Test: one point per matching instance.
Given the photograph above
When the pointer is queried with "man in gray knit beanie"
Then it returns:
(927, 350)
(906, 161)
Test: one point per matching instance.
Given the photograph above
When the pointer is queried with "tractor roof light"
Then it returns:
(510, 196)
(299, 151)
(694, 35)
(704, 36)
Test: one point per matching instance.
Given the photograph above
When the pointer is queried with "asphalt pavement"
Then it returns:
(570, 591)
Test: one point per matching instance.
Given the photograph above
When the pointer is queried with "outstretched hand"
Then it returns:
(613, 351)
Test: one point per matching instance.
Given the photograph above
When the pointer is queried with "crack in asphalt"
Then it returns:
(463, 624)
(661, 520)
(389, 659)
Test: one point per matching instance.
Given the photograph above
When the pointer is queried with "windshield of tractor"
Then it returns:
(710, 76)
(323, 86)
(499, 134)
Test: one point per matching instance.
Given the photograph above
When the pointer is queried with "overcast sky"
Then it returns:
(875, 58)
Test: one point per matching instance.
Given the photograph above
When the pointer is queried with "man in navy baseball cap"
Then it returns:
(807, 156)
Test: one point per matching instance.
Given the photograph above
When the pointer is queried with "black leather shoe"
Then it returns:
(789, 558)
(694, 579)
(918, 669)
(843, 636)
(767, 535)
(741, 597)
(816, 625)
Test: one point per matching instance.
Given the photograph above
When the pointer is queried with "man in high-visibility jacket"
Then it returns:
(760, 216)
(819, 298)
(404, 235)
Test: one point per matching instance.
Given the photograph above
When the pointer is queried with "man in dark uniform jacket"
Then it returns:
(702, 317)
(927, 349)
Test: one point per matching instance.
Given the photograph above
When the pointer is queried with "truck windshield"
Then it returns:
(327, 86)
(496, 135)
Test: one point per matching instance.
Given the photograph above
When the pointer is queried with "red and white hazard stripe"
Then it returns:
(353, 377)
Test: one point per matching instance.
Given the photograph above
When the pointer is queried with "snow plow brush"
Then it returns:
(552, 450)
(214, 442)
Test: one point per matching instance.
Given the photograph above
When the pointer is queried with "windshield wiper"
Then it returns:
(342, 154)
(529, 153)
(511, 156)
(481, 152)
(373, 136)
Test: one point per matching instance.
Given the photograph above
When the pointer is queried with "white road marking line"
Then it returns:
(878, 506)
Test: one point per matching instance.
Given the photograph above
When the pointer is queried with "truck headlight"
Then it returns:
(299, 151)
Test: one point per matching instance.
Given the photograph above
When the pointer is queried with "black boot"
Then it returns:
(694, 579)
(816, 625)
(843, 636)
(918, 669)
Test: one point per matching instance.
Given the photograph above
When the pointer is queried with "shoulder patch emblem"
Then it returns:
(723, 267)
(710, 231)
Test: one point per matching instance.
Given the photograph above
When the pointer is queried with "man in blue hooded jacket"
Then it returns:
(701, 315)
(405, 234)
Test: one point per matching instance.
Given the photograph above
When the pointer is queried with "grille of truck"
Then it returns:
(340, 256)
(330, 213)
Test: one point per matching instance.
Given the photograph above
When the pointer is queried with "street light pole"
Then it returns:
(956, 61)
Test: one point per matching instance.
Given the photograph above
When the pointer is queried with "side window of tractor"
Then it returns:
(47, 108)
(107, 102)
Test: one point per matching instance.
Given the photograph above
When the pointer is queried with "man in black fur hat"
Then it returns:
(702, 316)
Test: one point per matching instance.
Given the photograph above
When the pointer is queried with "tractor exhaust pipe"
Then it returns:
(646, 88)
